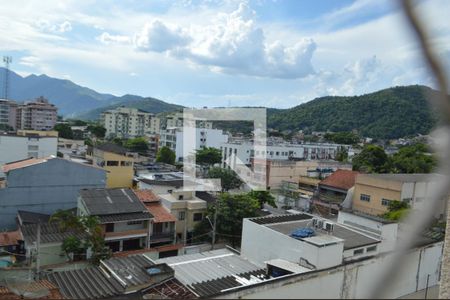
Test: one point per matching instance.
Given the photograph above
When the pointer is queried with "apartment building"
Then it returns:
(17, 147)
(374, 192)
(116, 161)
(37, 115)
(125, 221)
(204, 137)
(8, 113)
(176, 120)
(125, 122)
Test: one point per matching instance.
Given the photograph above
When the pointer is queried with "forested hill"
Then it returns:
(391, 113)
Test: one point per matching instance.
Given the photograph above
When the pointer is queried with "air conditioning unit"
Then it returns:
(314, 222)
(320, 224)
(328, 226)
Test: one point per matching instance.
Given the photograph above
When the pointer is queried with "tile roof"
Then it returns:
(88, 283)
(50, 233)
(42, 289)
(111, 201)
(170, 289)
(160, 213)
(341, 179)
(10, 238)
(146, 195)
(24, 163)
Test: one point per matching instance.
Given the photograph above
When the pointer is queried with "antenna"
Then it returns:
(7, 60)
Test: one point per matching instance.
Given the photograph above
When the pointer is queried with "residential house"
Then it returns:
(125, 221)
(374, 192)
(44, 185)
(9, 246)
(117, 161)
(163, 222)
(332, 191)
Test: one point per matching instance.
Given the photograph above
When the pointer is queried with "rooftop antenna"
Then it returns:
(7, 60)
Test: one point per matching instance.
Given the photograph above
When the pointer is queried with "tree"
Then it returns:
(165, 155)
(208, 156)
(263, 197)
(342, 155)
(72, 246)
(372, 159)
(397, 210)
(64, 131)
(137, 144)
(97, 130)
(5, 127)
(413, 159)
(231, 210)
(347, 138)
(228, 178)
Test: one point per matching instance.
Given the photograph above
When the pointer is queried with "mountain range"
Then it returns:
(389, 113)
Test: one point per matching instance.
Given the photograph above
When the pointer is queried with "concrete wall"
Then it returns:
(45, 188)
(352, 280)
(260, 244)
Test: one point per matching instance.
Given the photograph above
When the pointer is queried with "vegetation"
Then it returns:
(390, 113)
(97, 130)
(409, 159)
(231, 210)
(5, 127)
(342, 155)
(73, 246)
(208, 156)
(397, 210)
(347, 138)
(166, 155)
(138, 144)
(263, 197)
(64, 131)
(228, 178)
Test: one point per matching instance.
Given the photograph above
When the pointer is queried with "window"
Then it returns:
(109, 227)
(112, 163)
(371, 249)
(134, 222)
(385, 202)
(180, 197)
(364, 197)
(358, 251)
(198, 217)
(125, 163)
(181, 215)
(33, 148)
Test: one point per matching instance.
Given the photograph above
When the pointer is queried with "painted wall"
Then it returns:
(45, 188)
(117, 176)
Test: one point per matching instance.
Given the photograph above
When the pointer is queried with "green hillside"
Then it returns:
(390, 113)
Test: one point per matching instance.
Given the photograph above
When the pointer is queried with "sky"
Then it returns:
(273, 53)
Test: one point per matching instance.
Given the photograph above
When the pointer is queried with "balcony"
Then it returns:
(158, 237)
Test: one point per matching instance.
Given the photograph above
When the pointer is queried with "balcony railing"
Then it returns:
(165, 236)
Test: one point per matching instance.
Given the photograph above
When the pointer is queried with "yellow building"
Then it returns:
(118, 163)
(40, 133)
(374, 192)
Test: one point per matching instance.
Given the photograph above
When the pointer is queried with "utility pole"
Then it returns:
(38, 245)
(214, 225)
(7, 60)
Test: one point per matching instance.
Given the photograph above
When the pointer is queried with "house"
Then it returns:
(188, 209)
(332, 191)
(10, 244)
(44, 185)
(117, 161)
(51, 239)
(374, 192)
(163, 223)
(125, 221)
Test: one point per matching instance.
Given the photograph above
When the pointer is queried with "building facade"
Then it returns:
(37, 115)
(8, 113)
(127, 122)
(44, 185)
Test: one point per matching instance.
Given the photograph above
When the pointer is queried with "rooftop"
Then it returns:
(170, 289)
(131, 270)
(146, 195)
(404, 177)
(289, 223)
(42, 289)
(50, 233)
(29, 217)
(160, 213)
(114, 148)
(10, 238)
(341, 179)
(24, 163)
(100, 202)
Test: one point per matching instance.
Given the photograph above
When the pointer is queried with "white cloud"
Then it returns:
(29, 61)
(106, 38)
(47, 26)
(157, 36)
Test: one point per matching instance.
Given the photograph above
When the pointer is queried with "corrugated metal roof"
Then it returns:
(88, 283)
(131, 269)
(111, 201)
(195, 268)
(281, 218)
(32, 217)
(50, 233)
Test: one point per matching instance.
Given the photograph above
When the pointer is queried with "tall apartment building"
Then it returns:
(37, 115)
(8, 113)
(127, 122)
(176, 120)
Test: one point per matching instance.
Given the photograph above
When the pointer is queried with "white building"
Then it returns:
(204, 137)
(176, 120)
(244, 151)
(14, 148)
(127, 122)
